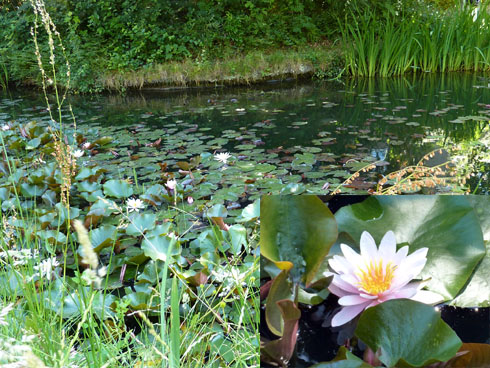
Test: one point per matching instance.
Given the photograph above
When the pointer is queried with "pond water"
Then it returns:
(304, 135)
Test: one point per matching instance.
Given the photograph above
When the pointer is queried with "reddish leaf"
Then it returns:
(280, 351)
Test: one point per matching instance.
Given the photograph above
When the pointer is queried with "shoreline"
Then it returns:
(325, 61)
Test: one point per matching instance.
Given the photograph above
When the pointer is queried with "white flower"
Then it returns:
(376, 275)
(135, 205)
(171, 184)
(45, 269)
(77, 153)
(5, 127)
(3, 313)
(222, 157)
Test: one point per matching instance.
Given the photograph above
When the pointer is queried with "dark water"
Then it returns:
(394, 120)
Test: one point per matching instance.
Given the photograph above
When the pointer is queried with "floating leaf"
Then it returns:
(104, 236)
(157, 247)
(118, 188)
(408, 333)
(299, 229)
(140, 223)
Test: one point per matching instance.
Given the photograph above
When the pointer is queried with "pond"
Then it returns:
(288, 137)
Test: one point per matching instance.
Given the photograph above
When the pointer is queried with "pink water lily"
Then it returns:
(376, 275)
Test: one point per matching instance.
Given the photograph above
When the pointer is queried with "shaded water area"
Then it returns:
(309, 134)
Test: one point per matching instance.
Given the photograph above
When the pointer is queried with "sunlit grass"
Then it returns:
(254, 66)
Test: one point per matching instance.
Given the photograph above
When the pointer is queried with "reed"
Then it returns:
(398, 41)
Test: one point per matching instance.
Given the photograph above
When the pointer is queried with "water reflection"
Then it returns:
(396, 120)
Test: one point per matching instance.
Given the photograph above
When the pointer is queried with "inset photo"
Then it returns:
(375, 281)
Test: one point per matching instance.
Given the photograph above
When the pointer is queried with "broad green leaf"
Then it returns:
(238, 235)
(222, 347)
(298, 229)
(156, 247)
(140, 223)
(477, 291)
(118, 188)
(103, 236)
(218, 210)
(51, 236)
(447, 225)
(30, 190)
(252, 211)
(312, 298)
(408, 333)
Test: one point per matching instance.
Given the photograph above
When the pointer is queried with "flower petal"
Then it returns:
(351, 255)
(337, 281)
(400, 255)
(414, 263)
(368, 246)
(352, 300)
(387, 247)
(334, 289)
(347, 313)
(339, 264)
(407, 292)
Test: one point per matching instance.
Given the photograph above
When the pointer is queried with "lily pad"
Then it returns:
(297, 229)
(408, 334)
(118, 189)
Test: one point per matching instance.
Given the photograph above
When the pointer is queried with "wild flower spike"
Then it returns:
(88, 254)
(376, 275)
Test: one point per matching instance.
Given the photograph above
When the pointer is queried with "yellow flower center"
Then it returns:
(375, 278)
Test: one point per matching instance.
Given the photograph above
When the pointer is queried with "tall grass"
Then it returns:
(400, 41)
(56, 320)
(4, 76)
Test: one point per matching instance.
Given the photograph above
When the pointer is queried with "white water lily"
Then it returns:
(77, 153)
(171, 184)
(135, 204)
(376, 275)
(222, 157)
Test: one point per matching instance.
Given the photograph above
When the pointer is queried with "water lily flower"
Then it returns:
(77, 153)
(374, 276)
(171, 184)
(135, 204)
(222, 157)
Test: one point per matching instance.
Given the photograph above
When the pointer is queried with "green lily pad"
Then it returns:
(104, 236)
(157, 247)
(140, 223)
(238, 235)
(118, 189)
(297, 229)
(477, 292)
(218, 210)
(408, 334)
